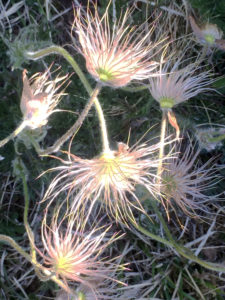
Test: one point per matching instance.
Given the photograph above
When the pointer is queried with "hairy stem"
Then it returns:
(75, 126)
(185, 252)
(217, 138)
(13, 134)
(59, 50)
(8, 240)
(152, 235)
(27, 226)
(170, 241)
(162, 145)
(104, 133)
(136, 89)
(48, 274)
(25, 216)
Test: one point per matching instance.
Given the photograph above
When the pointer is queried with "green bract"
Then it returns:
(166, 102)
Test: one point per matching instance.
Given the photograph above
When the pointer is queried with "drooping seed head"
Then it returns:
(209, 34)
(40, 97)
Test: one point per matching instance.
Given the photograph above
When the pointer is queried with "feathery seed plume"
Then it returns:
(176, 84)
(40, 97)
(73, 251)
(114, 57)
(186, 183)
(209, 35)
(109, 179)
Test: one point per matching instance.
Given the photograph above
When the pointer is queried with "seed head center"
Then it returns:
(166, 102)
(104, 75)
(209, 38)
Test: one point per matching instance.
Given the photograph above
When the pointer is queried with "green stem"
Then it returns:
(217, 139)
(25, 219)
(59, 50)
(105, 140)
(8, 240)
(152, 236)
(42, 272)
(162, 145)
(169, 235)
(48, 274)
(203, 54)
(13, 134)
(25, 216)
(34, 142)
(56, 146)
(136, 89)
(185, 252)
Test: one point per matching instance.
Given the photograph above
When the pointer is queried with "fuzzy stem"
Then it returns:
(13, 134)
(59, 50)
(217, 139)
(162, 145)
(75, 126)
(104, 133)
(31, 258)
(152, 235)
(34, 142)
(205, 50)
(136, 89)
(72, 62)
(27, 226)
(169, 235)
(8, 240)
(25, 216)
(185, 252)
(49, 275)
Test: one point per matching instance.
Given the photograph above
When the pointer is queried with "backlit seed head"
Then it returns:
(178, 81)
(114, 57)
(109, 179)
(73, 251)
(40, 97)
(187, 184)
(207, 34)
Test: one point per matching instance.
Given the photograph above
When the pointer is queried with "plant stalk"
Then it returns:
(13, 134)
(25, 216)
(183, 251)
(56, 146)
(59, 50)
(48, 274)
(161, 149)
